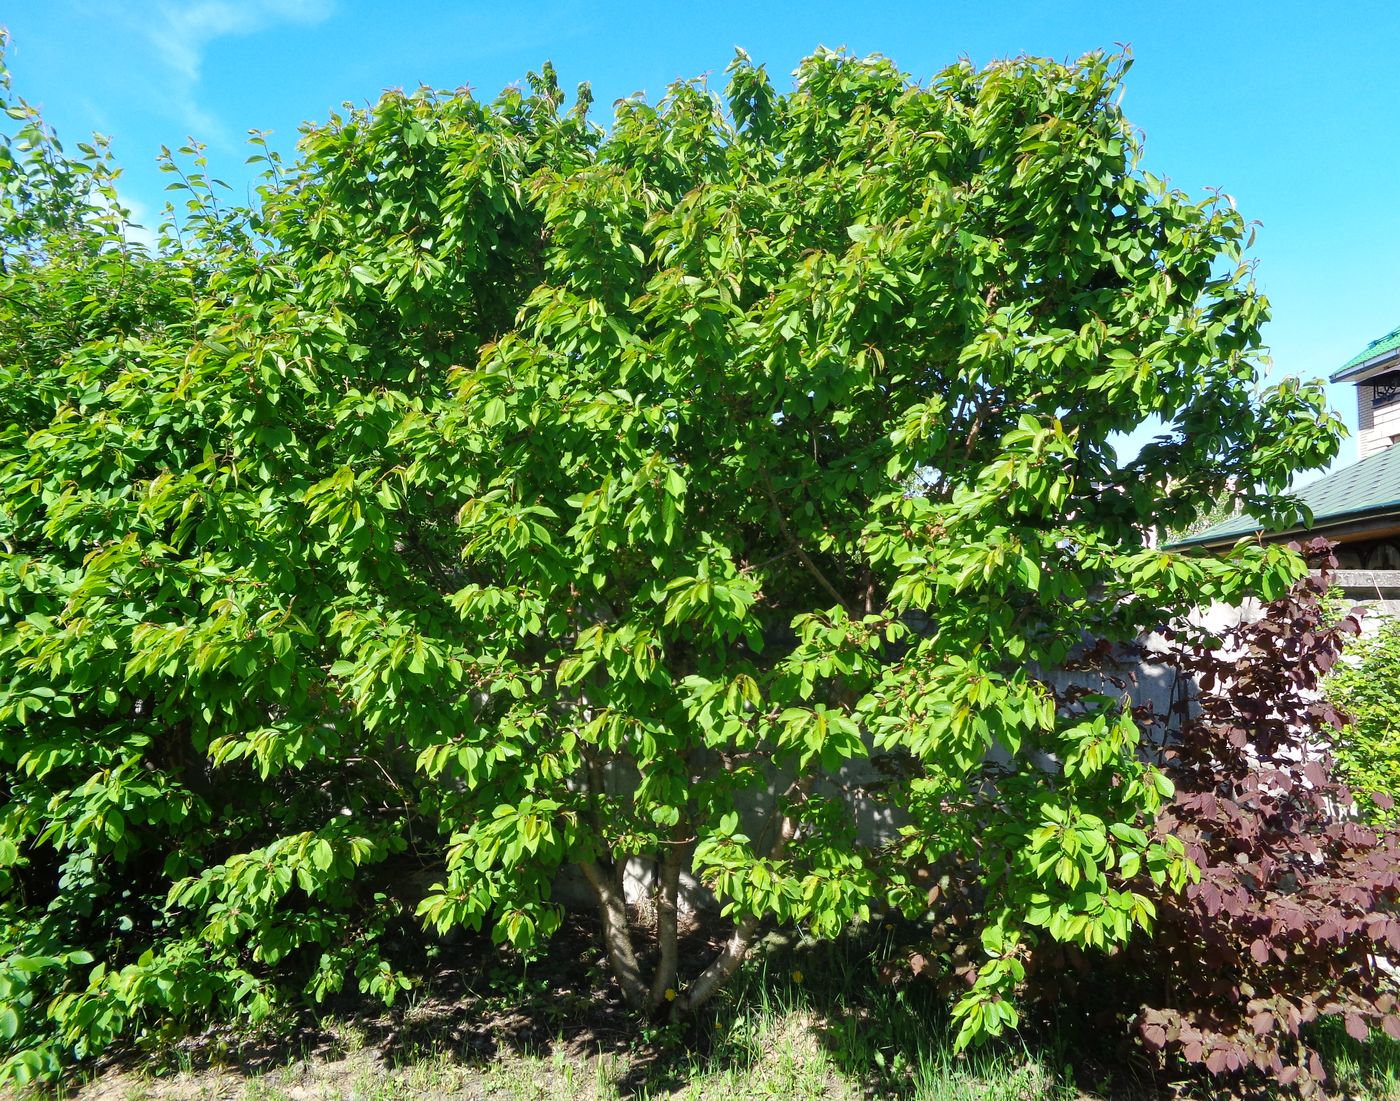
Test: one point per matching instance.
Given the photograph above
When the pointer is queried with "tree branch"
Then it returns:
(796, 546)
(609, 891)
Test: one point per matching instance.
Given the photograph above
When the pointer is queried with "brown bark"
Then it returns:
(720, 970)
(612, 908)
(667, 897)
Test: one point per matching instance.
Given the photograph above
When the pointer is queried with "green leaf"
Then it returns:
(322, 854)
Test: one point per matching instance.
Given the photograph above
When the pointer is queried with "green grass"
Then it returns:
(1370, 1070)
(839, 1025)
(800, 1022)
(773, 1049)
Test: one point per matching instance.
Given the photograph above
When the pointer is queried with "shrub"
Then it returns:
(1366, 687)
(498, 496)
(1294, 910)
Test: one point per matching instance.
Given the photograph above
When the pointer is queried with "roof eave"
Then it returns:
(1319, 526)
(1357, 371)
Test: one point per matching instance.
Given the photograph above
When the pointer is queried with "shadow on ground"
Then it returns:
(800, 1020)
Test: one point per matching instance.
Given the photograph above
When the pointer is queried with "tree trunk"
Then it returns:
(667, 897)
(612, 907)
(727, 962)
(719, 972)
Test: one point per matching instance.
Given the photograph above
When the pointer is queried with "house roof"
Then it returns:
(1368, 487)
(1363, 359)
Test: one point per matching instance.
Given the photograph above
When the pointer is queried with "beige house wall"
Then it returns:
(1378, 428)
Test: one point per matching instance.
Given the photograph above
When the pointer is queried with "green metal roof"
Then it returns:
(1378, 347)
(1372, 485)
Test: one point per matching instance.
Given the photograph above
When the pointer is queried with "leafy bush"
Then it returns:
(497, 497)
(1295, 908)
(1366, 687)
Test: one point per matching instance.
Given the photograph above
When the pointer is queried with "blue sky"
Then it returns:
(1292, 108)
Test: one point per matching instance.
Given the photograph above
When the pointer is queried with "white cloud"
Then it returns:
(181, 34)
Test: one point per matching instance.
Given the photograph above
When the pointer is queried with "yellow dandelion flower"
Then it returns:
(670, 994)
(797, 977)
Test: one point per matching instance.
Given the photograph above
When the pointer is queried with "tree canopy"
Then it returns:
(498, 494)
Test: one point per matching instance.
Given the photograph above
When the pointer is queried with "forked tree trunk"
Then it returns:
(719, 972)
(609, 892)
